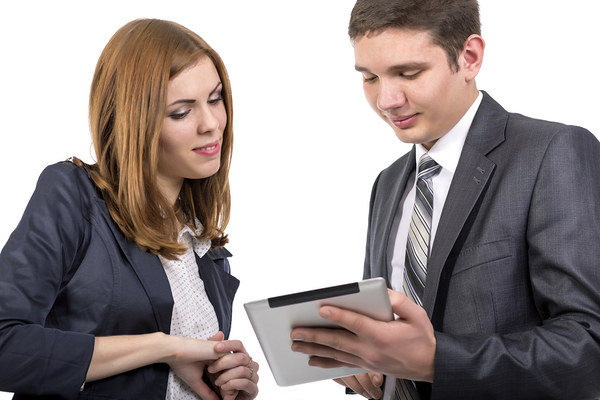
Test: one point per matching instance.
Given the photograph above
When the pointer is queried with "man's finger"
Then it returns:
(406, 309)
(326, 356)
(328, 363)
(358, 324)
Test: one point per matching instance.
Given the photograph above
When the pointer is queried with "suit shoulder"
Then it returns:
(523, 124)
(395, 168)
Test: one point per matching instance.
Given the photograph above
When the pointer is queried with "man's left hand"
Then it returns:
(403, 348)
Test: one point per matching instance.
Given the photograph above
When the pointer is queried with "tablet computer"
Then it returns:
(274, 318)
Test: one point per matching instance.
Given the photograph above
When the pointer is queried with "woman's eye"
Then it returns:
(179, 115)
(216, 100)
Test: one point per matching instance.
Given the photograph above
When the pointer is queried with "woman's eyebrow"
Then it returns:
(217, 88)
(192, 101)
(184, 101)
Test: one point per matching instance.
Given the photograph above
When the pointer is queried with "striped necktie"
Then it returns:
(417, 251)
(417, 245)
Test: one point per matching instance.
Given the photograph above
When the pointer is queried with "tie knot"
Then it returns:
(427, 167)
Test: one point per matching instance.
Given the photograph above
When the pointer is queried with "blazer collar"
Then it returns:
(471, 177)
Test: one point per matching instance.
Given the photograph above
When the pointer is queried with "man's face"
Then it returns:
(410, 84)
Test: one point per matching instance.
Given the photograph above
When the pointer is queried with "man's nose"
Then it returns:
(391, 95)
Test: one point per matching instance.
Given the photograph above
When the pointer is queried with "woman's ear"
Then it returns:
(472, 56)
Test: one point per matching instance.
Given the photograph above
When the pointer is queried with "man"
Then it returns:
(496, 243)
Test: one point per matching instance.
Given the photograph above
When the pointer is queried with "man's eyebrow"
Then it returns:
(393, 68)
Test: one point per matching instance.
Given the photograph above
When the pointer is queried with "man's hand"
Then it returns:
(403, 348)
(367, 385)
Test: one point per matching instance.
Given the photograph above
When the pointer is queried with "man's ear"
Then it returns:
(472, 56)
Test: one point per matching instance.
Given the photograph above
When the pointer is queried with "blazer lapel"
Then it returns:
(471, 177)
(149, 271)
(220, 286)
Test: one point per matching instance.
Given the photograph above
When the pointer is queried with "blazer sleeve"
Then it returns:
(560, 358)
(34, 263)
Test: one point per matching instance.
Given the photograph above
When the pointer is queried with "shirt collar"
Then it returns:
(446, 151)
(187, 232)
(187, 236)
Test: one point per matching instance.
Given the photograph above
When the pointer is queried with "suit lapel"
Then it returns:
(384, 218)
(470, 179)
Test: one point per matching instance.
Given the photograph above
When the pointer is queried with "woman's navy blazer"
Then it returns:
(67, 274)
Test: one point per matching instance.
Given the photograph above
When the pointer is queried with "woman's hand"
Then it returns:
(187, 357)
(190, 361)
(236, 373)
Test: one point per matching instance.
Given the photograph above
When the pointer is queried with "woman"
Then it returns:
(116, 284)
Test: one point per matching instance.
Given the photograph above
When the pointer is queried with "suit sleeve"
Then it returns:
(368, 270)
(560, 358)
(34, 263)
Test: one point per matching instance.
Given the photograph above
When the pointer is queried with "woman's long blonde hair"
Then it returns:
(127, 108)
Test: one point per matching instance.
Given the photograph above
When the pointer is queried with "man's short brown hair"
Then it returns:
(450, 22)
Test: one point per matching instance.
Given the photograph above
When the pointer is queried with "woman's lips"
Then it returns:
(210, 149)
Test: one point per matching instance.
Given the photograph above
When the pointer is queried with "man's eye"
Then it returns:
(411, 75)
(369, 79)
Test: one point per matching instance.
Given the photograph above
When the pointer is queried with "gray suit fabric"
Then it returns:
(513, 283)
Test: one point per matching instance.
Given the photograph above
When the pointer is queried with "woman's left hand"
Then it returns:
(236, 373)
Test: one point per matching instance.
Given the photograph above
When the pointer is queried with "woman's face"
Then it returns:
(192, 133)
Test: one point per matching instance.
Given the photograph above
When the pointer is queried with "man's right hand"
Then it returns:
(367, 385)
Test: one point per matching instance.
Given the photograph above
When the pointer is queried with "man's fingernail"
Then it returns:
(298, 349)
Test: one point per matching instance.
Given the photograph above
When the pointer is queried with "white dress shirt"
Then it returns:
(446, 152)
(193, 314)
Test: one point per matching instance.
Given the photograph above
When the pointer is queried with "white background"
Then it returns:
(307, 146)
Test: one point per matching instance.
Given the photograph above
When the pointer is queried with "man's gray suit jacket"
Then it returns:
(513, 281)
